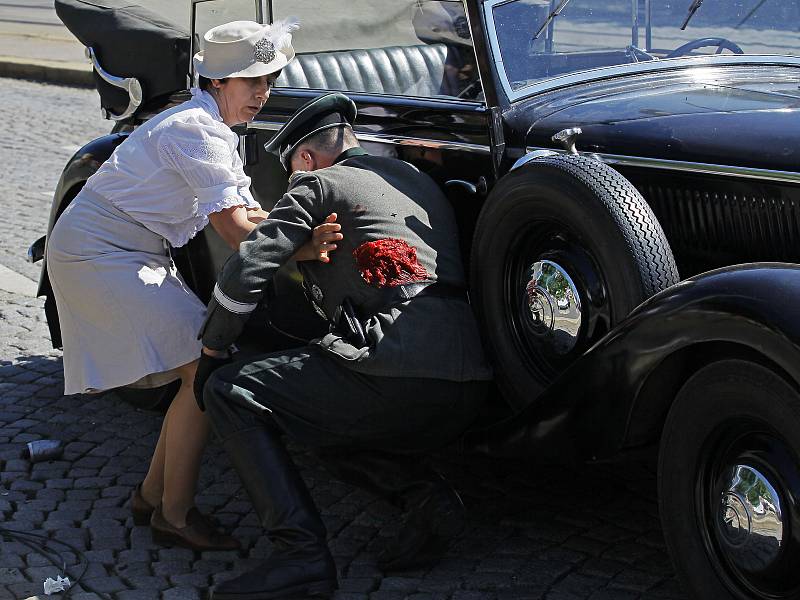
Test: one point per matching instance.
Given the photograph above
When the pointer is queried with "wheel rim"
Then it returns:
(554, 306)
(747, 501)
(555, 299)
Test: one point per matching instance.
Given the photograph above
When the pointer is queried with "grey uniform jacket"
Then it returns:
(376, 199)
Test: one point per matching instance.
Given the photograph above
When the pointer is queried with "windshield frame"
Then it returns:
(606, 72)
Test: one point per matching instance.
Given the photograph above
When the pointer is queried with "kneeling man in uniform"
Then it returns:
(400, 374)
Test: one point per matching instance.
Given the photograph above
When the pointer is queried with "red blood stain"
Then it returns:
(388, 263)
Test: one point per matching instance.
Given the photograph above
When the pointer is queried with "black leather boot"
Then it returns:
(301, 565)
(426, 531)
(434, 513)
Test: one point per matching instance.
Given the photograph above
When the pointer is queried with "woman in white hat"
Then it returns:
(126, 315)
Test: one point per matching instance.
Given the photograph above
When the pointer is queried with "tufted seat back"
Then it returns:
(396, 70)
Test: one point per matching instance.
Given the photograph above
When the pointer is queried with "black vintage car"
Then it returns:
(626, 175)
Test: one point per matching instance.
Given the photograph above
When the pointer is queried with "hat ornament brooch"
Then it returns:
(278, 36)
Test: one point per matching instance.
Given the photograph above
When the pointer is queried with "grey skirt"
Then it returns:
(126, 314)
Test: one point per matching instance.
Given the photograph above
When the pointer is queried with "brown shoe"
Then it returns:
(199, 533)
(140, 508)
(142, 511)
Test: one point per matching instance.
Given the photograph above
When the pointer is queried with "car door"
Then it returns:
(410, 67)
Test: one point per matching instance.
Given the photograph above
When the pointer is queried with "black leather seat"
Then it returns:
(396, 70)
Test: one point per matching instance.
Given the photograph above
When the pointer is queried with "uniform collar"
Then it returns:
(207, 102)
(357, 151)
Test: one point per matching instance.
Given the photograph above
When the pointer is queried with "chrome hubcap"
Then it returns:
(554, 306)
(749, 520)
(749, 483)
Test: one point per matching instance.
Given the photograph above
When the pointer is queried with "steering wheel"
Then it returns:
(471, 91)
(720, 43)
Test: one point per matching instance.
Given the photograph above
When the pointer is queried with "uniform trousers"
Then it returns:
(368, 430)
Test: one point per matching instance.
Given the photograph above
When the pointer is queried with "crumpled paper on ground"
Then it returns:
(59, 584)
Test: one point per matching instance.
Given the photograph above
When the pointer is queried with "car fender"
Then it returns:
(83, 164)
(616, 396)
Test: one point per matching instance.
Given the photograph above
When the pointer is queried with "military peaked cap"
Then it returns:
(324, 112)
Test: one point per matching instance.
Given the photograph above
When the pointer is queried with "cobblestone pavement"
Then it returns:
(534, 532)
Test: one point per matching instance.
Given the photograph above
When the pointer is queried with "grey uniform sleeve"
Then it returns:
(246, 273)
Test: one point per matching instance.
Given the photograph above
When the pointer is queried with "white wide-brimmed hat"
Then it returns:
(246, 49)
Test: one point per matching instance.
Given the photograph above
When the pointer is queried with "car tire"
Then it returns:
(599, 251)
(154, 399)
(729, 483)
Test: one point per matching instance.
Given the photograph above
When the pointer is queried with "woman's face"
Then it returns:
(241, 98)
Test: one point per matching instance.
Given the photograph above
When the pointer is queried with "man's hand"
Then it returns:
(322, 241)
(205, 367)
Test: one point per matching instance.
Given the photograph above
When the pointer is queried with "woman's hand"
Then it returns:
(256, 215)
(322, 241)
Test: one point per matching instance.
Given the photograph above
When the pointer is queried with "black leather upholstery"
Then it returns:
(396, 70)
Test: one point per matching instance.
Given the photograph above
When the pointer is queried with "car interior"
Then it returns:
(425, 70)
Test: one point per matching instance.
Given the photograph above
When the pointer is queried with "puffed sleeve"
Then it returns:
(246, 273)
(207, 159)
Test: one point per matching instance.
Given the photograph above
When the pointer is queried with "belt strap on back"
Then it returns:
(349, 323)
(403, 293)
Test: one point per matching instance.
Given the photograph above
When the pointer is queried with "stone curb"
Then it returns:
(15, 283)
(65, 73)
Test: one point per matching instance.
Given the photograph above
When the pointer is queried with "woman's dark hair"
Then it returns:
(205, 83)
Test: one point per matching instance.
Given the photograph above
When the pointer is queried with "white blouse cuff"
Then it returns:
(214, 193)
(207, 208)
(248, 197)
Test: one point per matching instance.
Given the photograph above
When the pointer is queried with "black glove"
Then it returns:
(206, 366)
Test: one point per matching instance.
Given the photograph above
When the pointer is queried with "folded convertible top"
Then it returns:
(129, 41)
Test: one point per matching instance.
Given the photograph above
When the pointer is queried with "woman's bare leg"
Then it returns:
(186, 435)
(186, 439)
(153, 484)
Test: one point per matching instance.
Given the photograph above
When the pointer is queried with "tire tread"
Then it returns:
(642, 232)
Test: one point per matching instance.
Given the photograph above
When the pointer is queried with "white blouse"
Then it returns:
(176, 169)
